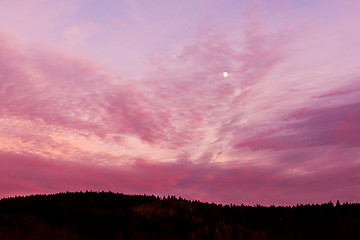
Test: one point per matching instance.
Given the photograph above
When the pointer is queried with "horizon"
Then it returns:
(242, 102)
(179, 198)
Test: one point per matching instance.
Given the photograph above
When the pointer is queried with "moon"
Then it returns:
(225, 74)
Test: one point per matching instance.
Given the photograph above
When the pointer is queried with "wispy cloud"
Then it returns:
(281, 128)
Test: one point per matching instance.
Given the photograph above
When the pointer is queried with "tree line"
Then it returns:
(107, 215)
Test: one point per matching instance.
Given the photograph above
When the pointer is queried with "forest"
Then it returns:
(108, 215)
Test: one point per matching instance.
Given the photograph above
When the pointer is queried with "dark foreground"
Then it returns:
(104, 215)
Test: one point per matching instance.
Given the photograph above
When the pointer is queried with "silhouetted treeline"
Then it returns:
(107, 215)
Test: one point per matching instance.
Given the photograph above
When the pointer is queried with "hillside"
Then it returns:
(107, 215)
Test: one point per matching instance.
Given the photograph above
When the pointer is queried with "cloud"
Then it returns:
(121, 23)
(284, 121)
(59, 96)
(242, 184)
(78, 34)
(330, 126)
(335, 126)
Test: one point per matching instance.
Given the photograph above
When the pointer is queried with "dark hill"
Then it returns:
(107, 215)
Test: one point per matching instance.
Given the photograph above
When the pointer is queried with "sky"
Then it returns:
(129, 96)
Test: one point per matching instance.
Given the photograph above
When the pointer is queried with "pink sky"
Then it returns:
(129, 96)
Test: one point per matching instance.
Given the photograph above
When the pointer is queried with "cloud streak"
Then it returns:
(243, 184)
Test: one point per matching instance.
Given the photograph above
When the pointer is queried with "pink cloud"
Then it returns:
(336, 126)
(120, 23)
(69, 93)
(242, 184)
(263, 134)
